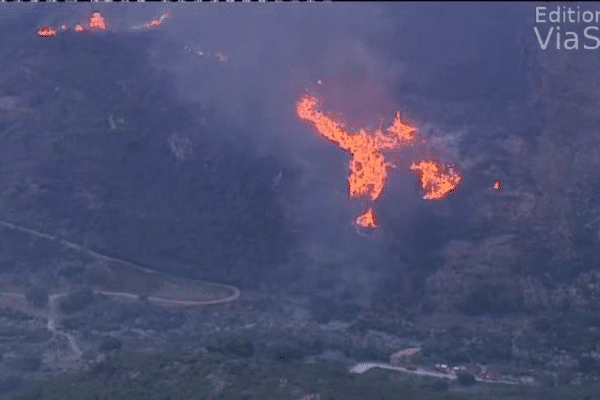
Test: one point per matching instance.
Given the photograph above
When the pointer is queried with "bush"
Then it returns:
(77, 301)
(28, 363)
(286, 353)
(72, 323)
(498, 300)
(437, 386)
(35, 393)
(239, 346)
(69, 270)
(38, 296)
(465, 379)
(588, 365)
(110, 343)
(38, 335)
(10, 384)
(325, 309)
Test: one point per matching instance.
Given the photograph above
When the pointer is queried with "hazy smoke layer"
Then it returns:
(359, 58)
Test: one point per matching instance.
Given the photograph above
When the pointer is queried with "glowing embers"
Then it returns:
(152, 23)
(96, 23)
(435, 182)
(47, 31)
(220, 57)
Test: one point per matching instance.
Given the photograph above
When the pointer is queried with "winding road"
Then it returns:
(53, 313)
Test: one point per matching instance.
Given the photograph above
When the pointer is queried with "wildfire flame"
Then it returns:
(47, 31)
(97, 21)
(367, 220)
(368, 166)
(434, 181)
(497, 186)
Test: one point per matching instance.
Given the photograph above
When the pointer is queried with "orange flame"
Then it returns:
(47, 31)
(368, 168)
(434, 181)
(367, 220)
(97, 21)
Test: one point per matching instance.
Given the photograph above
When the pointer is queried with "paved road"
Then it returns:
(364, 367)
(51, 326)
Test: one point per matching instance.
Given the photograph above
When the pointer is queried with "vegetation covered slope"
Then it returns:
(98, 148)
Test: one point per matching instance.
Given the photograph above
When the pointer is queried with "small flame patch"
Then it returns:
(367, 220)
(497, 186)
(435, 182)
(97, 21)
(47, 31)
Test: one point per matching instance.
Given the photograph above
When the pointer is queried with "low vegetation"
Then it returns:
(182, 375)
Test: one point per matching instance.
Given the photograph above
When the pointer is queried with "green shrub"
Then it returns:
(497, 300)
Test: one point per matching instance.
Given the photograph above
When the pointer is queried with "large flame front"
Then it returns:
(368, 166)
